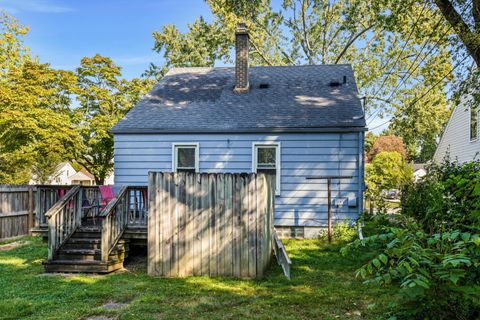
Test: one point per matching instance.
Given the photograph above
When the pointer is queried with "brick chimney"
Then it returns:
(241, 59)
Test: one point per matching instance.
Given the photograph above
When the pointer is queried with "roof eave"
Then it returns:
(241, 130)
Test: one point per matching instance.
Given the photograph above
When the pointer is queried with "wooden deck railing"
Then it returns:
(46, 197)
(63, 218)
(128, 207)
(114, 222)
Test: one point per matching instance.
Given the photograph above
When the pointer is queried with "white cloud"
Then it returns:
(43, 6)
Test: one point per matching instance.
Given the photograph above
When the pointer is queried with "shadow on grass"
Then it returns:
(323, 286)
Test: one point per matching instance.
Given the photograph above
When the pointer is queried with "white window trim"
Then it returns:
(278, 154)
(470, 124)
(185, 144)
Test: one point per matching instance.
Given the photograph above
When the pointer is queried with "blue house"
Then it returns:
(297, 122)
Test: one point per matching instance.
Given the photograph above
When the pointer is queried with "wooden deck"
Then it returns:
(47, 196)
(86, 236)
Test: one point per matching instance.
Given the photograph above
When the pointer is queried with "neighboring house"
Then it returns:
(82, 177)
(296, 122)
(65, 174)
(461, 137)
(61, 175)
(419, 171)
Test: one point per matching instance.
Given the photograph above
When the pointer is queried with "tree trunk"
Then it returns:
(99, 181)
(470, 38)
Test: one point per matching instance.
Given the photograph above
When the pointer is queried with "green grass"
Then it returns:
(323, 287)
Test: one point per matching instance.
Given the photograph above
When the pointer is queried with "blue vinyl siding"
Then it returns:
(302, 202)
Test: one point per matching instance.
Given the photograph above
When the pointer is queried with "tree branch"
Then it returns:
(470, 39)
(351, 41)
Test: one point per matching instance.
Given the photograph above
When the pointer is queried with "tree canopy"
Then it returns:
(399, 51)
(48, 116)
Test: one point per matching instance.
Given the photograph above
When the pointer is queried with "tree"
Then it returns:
(104, 98)
(387, 144)
(388, 170)
(465, 23)
(35, 125)
(384, 40)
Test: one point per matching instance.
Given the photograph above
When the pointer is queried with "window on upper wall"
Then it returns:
(185, 157)
(266, 158)
(474, 125)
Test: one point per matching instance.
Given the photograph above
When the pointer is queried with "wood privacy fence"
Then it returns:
(210, 224)
(17, 205)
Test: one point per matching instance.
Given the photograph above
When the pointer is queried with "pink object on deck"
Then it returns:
(106, 192)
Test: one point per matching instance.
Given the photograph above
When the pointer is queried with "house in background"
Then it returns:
(419, 171)
(296, 122)
(65, 174)
(61, 175)
(461, 137)
(83, 178)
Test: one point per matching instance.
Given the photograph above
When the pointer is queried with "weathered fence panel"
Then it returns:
(16, 210)
(209, 224)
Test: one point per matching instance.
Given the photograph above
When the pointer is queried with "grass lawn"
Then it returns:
(323, 287)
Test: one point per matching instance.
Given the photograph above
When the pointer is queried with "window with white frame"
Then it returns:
(266, 158)
(185, 157)
(474, 118)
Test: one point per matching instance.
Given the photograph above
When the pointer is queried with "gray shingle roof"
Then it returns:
(202, 100)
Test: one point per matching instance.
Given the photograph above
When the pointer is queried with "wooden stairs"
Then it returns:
(81, 252)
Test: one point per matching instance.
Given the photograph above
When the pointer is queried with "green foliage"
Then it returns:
(35, 124)
(388, 170)
(447, 198)
(433, 270)
(380, 38)
(433, 252)
(39, 125)
(104, 98)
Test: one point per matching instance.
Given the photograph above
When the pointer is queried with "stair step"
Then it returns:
(83, 266)
(88, 243)
(90, 255)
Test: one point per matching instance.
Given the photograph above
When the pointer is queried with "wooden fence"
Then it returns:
(209, 224)
(17, 205)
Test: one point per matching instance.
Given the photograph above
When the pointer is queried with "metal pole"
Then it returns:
(329, 210)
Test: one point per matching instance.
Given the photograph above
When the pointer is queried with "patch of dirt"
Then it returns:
(13, 245)
(114, 305)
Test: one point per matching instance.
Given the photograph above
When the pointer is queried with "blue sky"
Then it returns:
(62, 32)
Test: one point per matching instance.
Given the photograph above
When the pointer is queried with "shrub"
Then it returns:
(437, 273)
(447, 198)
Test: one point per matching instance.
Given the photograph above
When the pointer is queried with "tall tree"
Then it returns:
(384, 40)
(104, 98)
(35, 126)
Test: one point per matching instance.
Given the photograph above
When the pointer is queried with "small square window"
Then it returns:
(266, 157)
(185, 157)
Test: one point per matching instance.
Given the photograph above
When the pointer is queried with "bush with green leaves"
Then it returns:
(447, 198)
(436, 272)
(388, 170)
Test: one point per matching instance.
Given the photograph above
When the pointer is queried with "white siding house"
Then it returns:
(461, 138)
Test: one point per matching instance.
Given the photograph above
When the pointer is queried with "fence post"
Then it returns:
(31, 200)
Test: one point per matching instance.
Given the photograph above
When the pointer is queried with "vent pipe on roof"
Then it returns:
(241, 59)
